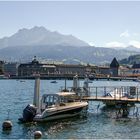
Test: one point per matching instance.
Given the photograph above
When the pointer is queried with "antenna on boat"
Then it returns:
(65, 89)
(65, 84)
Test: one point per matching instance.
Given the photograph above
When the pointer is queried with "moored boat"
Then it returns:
(53, 106)
(58, 106)
(53, 82)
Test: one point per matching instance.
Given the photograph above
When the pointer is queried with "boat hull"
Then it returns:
(63, 114)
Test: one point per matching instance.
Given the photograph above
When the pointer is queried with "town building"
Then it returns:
(71, 69)
(1, 67)
(34, 67)
(44, 69)
(135, 70)
(104, 71)
(11, 69)
(125, 71)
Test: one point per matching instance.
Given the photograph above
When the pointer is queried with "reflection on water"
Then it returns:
(100, 121)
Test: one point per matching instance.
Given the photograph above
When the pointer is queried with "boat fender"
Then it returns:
(37, 134)
(7, 125)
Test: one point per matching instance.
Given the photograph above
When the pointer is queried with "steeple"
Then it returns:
(114, 63)
(35, 60)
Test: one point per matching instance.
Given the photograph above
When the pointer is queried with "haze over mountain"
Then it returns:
(128, 48)
(26, 43)
(40, 36)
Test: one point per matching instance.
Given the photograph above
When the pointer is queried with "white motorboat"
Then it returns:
(58, 106)
(53, 106)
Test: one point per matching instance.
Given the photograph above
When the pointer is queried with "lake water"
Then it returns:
(16, 94)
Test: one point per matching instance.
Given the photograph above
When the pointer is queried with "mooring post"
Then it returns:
(137, 94)
(105, 91)
(96, 92)
(36, 100)
(115, 93)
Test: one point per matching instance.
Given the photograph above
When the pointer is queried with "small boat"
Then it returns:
(117, 93)
(58, 106)
(53, 82)
(53, 106)
(22, 81)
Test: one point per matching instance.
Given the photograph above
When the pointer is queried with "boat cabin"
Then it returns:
(58, 99)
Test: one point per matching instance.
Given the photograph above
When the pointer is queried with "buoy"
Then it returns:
(7, 125)
(37, 134)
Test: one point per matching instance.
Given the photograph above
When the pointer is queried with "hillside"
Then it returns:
(87, 54)
(131, 60)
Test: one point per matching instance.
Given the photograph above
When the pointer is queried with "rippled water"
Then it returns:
(16, 94)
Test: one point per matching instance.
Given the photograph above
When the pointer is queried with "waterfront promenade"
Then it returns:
(70, 77)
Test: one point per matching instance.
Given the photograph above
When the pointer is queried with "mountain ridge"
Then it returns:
(39, 41)
(94, 55)
(40, 36)
(133, 59)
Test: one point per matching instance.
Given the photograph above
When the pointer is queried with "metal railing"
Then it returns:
(115, 92)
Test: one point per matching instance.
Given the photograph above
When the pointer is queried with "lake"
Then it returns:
(16, 94)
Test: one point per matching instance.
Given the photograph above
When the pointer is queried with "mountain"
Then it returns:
(128, 48)
(40, 36)
(131, 60)
(40, 42)
(132, 48)
(86, 54)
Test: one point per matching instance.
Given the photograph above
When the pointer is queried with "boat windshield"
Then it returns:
(50, 99)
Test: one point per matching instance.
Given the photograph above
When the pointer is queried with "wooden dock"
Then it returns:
(104, 99)
(117, 94)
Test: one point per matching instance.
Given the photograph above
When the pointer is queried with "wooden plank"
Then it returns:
(124, 99)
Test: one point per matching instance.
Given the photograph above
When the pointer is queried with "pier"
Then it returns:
(101, 94)
(103, 99)
(70, 77)
(116, 94)
(120, 97)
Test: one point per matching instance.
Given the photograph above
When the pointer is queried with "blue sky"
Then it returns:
(100, 23)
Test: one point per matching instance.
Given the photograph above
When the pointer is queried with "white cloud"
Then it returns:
(125, 34)
(115, 44)
(91, 44)
(135, 43)
(136, 34)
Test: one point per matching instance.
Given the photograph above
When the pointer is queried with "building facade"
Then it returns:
(71, 69)
(29, 69)
(11, 69)
(34, 67)
(1, 67)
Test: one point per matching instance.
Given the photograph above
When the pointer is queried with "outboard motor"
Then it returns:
(29, 113)
(31, 110)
